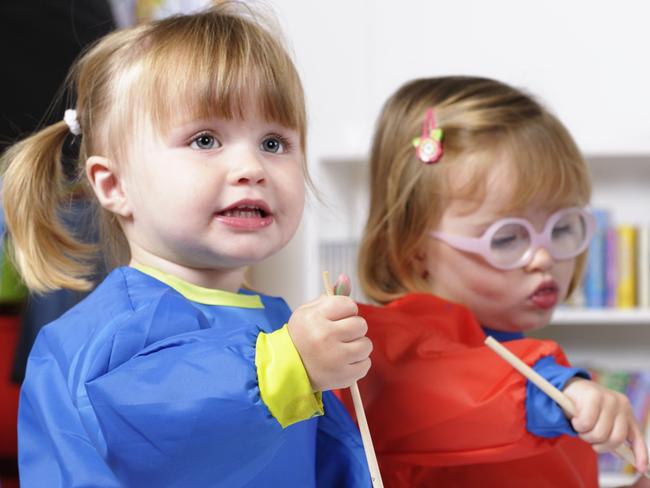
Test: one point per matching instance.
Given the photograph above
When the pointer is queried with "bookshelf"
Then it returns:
(612, 480)
(567, 316)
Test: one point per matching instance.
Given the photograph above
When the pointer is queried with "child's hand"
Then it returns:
(332, 342)
(605, 420)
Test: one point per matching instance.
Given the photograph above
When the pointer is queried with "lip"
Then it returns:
(546, 295)
(246, 222)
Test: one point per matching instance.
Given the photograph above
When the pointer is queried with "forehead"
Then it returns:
(501, 184)
(478, 181)
(249, 117)
(169, 83)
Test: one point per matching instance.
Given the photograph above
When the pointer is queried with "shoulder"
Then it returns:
(109, 300)
(421, 315)
(274, 306)
(128, 307)
(413, 306)
(124, 291)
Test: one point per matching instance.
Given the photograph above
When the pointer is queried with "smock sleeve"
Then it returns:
(436, 395)
(186, 403)
(544, 417)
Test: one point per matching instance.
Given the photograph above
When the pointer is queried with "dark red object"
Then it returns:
(444, 410)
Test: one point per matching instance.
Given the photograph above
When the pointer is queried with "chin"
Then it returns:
(538, 322)
(246, 255)
(533, 327)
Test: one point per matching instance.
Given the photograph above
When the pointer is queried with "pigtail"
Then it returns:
(35, 193)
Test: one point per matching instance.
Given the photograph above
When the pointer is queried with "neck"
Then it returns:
(218, 279)
(502, 335)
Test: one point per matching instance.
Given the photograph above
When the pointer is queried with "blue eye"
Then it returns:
(204, 142)
(275, 145)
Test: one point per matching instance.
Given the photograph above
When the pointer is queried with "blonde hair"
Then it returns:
(209, 64)
(481, 119)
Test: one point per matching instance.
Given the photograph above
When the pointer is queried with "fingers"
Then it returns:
(353, 372)
(589, 406)
(331, 341)
(605, 420)
(351, 328)
(639, 447)
(604, 439)
(595, 420)
(360, 369)
(357, 351)
(336, 307)
(619, 432)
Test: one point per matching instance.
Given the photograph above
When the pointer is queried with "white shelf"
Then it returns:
(601, 316)
(612, 480)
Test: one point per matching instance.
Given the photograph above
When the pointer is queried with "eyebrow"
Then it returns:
(480, 228)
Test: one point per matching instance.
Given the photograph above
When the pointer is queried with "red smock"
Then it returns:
(444, 410)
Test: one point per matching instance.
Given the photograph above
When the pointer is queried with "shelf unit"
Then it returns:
(567, 316)
(613, 480)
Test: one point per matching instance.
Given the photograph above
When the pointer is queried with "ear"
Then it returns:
(108, 186)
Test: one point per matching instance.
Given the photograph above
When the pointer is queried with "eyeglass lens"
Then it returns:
(513, 240)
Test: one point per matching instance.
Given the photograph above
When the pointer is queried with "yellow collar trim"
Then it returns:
(199, 294)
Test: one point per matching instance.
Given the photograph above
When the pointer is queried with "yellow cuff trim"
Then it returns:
(199, 294)
(284, 384)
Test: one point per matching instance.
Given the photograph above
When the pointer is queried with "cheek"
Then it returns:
(295, 207)
(564, 273)
(490, 284)
(291, 191)
(457, 274)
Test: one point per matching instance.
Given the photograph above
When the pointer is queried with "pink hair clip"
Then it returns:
(429, 144)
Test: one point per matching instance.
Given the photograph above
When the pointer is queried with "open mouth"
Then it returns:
(545, 296)
(245, 212)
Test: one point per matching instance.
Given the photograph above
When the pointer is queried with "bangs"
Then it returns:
(547, 167)
(539, 160)
(214, 70)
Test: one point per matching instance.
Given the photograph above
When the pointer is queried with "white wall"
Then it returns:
(587, 60)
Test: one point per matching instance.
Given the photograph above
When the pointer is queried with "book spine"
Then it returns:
(611, 272)
(643, 250)
(626, 289)
(595, 277)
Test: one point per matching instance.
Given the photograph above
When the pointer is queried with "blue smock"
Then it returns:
(139, 386)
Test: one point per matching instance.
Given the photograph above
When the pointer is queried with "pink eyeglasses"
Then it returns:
(512, 242)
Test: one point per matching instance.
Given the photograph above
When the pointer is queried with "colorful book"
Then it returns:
(626, 287)
(595, 276)
(611, 267)
(643, 266)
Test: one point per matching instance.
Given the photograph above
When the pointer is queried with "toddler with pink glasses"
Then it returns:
(478, 226)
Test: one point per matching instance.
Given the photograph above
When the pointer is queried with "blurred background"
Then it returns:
(587, 61)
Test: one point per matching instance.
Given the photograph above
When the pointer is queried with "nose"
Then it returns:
(247, 169)
(541, 260)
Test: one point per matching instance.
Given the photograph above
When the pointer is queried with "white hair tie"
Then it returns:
(71, 120)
